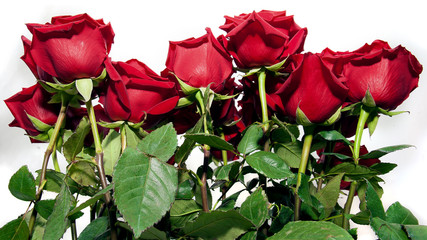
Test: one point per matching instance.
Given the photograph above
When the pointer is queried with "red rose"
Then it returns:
(200, 62)
(134, 91)
(263, 38)
(312, 88)
(68, 48)
(32, 101)
(389, 74)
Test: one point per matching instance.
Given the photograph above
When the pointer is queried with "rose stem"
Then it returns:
(308, 138)
(48, 152)
(364, 114)
(263, 99)
(206, 154)
(100, 165)
(123, 138)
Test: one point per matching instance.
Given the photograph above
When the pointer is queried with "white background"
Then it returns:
(143, 30)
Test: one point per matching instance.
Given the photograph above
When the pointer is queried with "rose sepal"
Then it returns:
(368, 100)
(186, 89)
(276, 67)
(111, 125)
(302, 119)
(185, 101)
(39, 125)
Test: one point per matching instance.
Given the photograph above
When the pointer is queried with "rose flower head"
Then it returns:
(262, 38)
(389, 74)
(200, 62)
(68, 48)
(135, 93)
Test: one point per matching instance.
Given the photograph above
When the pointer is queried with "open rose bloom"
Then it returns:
(278, 131)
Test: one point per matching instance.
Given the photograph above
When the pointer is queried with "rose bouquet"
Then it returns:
(279, 129)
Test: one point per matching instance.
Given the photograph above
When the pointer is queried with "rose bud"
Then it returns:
(32, 101)
(68, 48)
(200, 62)
(262, 39)
(389, 74)
(311, 89)
(135, 93)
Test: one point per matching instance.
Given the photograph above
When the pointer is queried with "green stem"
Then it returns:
(123, 138)
(206, 153)
(364, 115)
(263, 99)
(99, 158)
(73, 230)
(348, 203)
(55, 160)
(224, 152)
(47, 154)
(308, 138)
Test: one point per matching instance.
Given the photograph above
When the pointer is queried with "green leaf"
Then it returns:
(84, 87)
(75, 142)
(352, 170)
(184, 190)
(285, 134)
(211, 140)
(223, 172)
(309, 230)
(218, 225)
(112, 146)
(269, 164)
(91, 200)
(153, 233)
(141, 183)
(333, 135)
(255, 207)
(184, 207)
(45, 207)
(286, 214)
(290, 153)
(94, 229)
(251, 235)
(385, 230)
(185, 149)
(383, 168)
(340, 156)
(132, 138)
(54, 181)
(383, 151)
(250, 141)
(57, 222)
(374, 203)
(39, 125)
(329, 194)
(230, 202)
(83, 173)
(22, 185)
(416, 232)
(161, 143)
(397, 213)
(15, 230)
